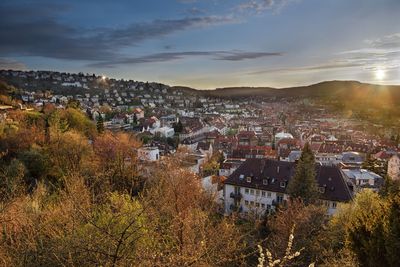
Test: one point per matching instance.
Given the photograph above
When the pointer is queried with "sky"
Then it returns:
(206, 44)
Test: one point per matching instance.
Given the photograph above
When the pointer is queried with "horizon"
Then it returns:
(207, 44)
(215, 88)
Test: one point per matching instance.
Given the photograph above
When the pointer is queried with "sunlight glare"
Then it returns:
(380, 74)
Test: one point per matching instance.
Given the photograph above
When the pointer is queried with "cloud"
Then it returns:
(387, 42)
(320, 67)
(241, 55)
(10, 64)
(28, 31)
(187, 1)
(381, 53)
(259, 6)
(195, 11)
(164, 57)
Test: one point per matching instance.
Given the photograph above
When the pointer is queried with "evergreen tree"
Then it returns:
(100, 124)
(47, 130)
(392, 240)
(303, 184)
(178, 127)
(135, 120)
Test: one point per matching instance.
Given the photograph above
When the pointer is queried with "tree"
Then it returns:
(178, 127)
(392, 240)
(135, 121)
(100, 124)
(303, 184)
(310, 221)
(184, 227)
(363, 223)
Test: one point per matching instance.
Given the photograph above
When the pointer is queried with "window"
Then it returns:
(268, 194)
(257, 192)
(251, 192)
(263, 193)
(321, 189)
(334, 205)
(237, 190)
(279, 199)
(246, 191)
(268, 206)
(251, 203)
(283, 184)
(248, 179)
(257, 204)
(265, 182)
(246, 202)
(263, 205)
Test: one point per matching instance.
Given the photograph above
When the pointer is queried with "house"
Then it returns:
(394, 167)
(139, 113)
(213, 185)
(282, 135)
(165, 131)
(353, 158)
(362, 178)
(259, 185)
(247, 138)
(149, 153)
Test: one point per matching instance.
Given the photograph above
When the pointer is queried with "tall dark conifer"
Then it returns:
(304, 184)
(100, 124)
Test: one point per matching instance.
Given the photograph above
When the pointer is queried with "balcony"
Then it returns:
(235, 195)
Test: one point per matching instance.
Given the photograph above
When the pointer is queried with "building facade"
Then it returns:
(259, 185)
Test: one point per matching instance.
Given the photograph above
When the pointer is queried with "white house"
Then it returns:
(211, 185)
(394, 167)
(149, 153)
(259, 185)
(362, 178)
(165, 131)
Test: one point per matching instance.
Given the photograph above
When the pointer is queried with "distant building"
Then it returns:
(282, 135)
(353, 158)
(394, 167)
(165, 131)
(149, 153)
(362, 178)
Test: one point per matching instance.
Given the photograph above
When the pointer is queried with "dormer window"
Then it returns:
(283, 184)
(241, 177)
(265, 182)
(248, 179)
(273, 180)
(321, 189)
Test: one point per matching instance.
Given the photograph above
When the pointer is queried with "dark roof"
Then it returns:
(203, 145)
(279, 173)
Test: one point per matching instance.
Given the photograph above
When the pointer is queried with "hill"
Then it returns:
(328, 89)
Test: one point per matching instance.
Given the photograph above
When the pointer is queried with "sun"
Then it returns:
(380, 74)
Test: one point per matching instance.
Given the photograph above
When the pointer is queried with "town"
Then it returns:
(257, 140)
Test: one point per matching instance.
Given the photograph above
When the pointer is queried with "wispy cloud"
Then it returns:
(164, 57)
(382, 53)
(259, 6)
(387, 42)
